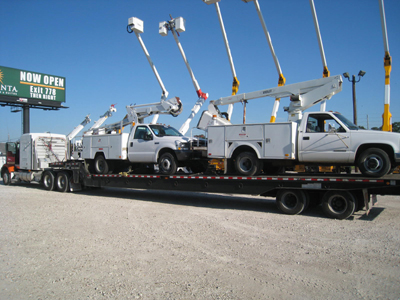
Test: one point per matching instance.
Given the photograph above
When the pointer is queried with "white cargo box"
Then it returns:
(269, 141)
(136, 25)
(162, 29)
(113, 146)
(180, 24)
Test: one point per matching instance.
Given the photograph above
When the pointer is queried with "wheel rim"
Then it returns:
(61, 182)
(46, 180)
(338, 204)
(246, 164)
(289, 201)
(165, 164)
(6, 178)
(373, 163)
(100, 166)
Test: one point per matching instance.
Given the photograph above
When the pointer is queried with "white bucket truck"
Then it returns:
(315, 138)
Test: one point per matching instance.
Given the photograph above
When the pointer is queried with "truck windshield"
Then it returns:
(161, 130)
(12, 147)
(346, 122)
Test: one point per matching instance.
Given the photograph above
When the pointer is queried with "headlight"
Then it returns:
(182, 145)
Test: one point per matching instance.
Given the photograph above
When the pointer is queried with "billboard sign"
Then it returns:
(31, 87)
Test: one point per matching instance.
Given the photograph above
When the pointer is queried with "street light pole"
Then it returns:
(354, 100)
(354, 81)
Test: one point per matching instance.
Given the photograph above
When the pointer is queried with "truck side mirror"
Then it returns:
(148, 137)
(332, 129)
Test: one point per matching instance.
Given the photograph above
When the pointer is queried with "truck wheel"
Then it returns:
(338, 204)
(167, 164)
(247, 164)
(6, 177)
(62, 182)
(374, 162)
(49, 181)
(291, 202)
(100, 165)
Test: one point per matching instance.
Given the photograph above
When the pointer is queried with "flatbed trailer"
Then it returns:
(339, 195)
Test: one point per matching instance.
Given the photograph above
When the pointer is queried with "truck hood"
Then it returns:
(377, 133)
(377, 137)
(182, 139)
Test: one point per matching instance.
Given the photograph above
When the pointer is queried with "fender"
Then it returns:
(232, 147)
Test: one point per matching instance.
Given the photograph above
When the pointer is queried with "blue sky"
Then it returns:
(87, 42)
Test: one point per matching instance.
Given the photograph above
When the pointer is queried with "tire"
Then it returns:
(292, 202)
(49, 181)
(374, 162)
(338, 204)
(62, 182)
(167, 164)
(6, 177)
(101, 165)
(247, 164)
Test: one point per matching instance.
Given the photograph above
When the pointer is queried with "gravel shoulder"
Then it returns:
(133, 244)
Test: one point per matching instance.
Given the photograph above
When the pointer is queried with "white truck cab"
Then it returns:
(329, 137)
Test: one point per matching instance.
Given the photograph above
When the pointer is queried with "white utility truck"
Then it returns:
(108, 149)
(317, 138)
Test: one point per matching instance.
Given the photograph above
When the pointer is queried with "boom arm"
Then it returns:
(137, 113)
(302, 95)
(104, 117)
(325, 72)
(236, 83)
(387, 116)
(281, 79)
(78, 128)
(136, 25)
(175, 26)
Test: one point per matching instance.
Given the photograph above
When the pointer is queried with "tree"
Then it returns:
(395, 127)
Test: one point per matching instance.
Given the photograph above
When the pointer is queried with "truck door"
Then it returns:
(12, 153)
(216, 141)
(324, 140)
(141, 148)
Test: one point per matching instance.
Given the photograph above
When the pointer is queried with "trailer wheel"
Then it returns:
(62, 182)
(374, 162)
(167, 164)
(6, 177)
(100, 165)
(338, 204)
(247, 164)
(291, 202)
(49, 180)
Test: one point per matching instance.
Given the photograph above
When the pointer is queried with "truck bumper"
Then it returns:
(183, 155)
(397, 158)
